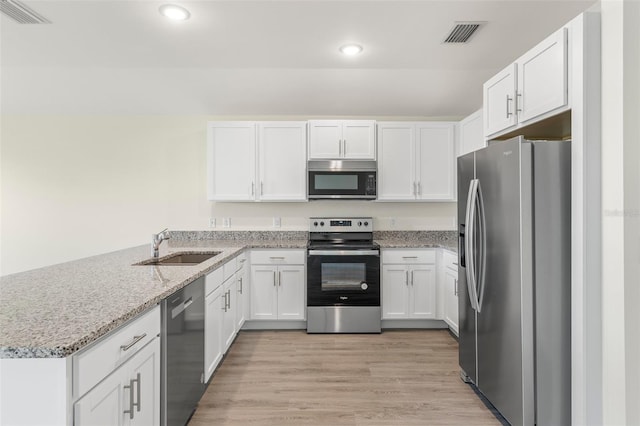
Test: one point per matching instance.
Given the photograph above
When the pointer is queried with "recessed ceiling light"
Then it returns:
(174, 12)
(351, 49)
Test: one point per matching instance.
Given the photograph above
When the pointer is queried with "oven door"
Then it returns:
(343, 278)
(342, 184)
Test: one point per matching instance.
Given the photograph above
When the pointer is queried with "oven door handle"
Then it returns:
(344, 253)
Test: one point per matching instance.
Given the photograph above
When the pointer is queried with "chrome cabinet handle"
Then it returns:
(261, 188)
(240, 289)
(276, 257)
(131, 403)
(274, 278)
(509, 99)
(339, 147)
(412, 278)
(518, 104)
(135, 340)
(344, 147)
(279, 278)
(224, 307)
(409, 257)
(419, 188)
(229, 299)
(455, 287)
(253, 188)
(137, 404)
(415, 192)
(406, 278)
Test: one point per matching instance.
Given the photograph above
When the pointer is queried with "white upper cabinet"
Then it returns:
(396, 161)
(250, 161)
(231, 153)
(282, 164)
(542, 77)
(436, 168)
(416, 161)
(471, 134)
(533, 86)
(342, 139)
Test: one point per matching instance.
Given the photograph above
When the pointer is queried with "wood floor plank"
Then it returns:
(292, 378)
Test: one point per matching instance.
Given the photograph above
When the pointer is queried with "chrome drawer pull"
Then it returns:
(131, 403)
(135, 340)
(137, 404)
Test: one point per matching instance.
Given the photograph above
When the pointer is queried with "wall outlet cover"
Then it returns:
(212, 222)
(277, 222)
(226, 222)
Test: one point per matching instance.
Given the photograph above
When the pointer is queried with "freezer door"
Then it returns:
(467, 315)
(503, 336)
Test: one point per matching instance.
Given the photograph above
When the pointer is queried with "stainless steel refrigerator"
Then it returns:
(514, 216)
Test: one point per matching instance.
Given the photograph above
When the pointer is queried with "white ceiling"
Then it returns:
(267, 57)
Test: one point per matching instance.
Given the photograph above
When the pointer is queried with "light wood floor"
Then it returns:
(292, 378)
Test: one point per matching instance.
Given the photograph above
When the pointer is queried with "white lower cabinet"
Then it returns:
(213, 314)
(408, 289)
(450, 273)
(278, 288)
(128, 396)
(229, 311)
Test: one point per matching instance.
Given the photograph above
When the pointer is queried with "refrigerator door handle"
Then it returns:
(469, 243)
(482, 227)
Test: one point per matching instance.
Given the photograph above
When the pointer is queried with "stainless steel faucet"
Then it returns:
(156, 239)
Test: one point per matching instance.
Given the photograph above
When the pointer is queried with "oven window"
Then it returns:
(333, 181)
(342, 276)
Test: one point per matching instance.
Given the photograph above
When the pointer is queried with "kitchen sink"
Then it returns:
(180, 259)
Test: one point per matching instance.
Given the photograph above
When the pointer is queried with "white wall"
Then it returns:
(75, 186)
(621, 211)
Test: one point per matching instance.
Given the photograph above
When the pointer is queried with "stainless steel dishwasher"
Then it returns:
(182, 353)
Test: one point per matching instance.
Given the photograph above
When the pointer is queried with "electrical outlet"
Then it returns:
(277, 222)
(212, 222)
(226, 222)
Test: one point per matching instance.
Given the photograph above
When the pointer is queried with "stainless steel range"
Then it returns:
(343, 276)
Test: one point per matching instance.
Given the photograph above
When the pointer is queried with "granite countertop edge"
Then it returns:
(177, 279)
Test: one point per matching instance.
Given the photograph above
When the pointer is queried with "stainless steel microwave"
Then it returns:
(342, 179)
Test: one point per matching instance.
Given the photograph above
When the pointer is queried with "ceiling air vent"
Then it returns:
(462, 32)
(21, 13)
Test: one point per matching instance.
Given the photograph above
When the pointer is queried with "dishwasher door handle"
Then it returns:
(179, 309)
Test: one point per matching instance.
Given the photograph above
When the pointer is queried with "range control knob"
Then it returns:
(364, 286)
(359, 223)
(321, 223)
(366, 224)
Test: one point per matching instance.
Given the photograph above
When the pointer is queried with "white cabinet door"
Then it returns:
(396, 161)
(214, 317)
(359, 140)
(499, 101)
(229, 315)
(128, 396)
(395, 291)
(325, 139)
(283, 161)
(291, 286)
(451, 299)
(471, 134)
(264, 294)
(231, 161)
(436, 167)
(542, 77)
(342, 139)
(145, 371)
(104, 404)
(422, 294)
(241, 297)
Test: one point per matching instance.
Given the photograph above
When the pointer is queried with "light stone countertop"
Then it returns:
(54, 311)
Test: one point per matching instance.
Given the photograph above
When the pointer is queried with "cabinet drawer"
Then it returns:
(450, 260)
(229, 268)
(409, 256)
(276, 257)
(241, 261)
(213, 280)
(100, 359)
